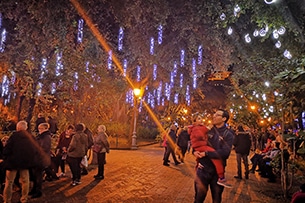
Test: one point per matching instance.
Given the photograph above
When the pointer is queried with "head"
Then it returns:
(70, 130)
(4, 140)
(22, 125)
(101, 128)
(79, 127)
(43, 127)
(197, 119)
(173, 127)
(302, 187)
(220, 117)
(240, 128)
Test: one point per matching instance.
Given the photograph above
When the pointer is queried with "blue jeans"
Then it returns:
(205, 178)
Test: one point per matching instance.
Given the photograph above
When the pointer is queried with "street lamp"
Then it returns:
(137, 95)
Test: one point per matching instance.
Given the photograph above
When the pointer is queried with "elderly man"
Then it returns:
(19, 153)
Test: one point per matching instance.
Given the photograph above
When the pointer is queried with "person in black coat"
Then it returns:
(171, 144)
(242, 144)
(183, 139)
(21, 152)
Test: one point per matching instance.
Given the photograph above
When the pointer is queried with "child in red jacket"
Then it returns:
(199, 139)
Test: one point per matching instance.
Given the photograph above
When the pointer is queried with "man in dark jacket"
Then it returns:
(19, 155)
(242, 144)
(171, 145)
(221, 139)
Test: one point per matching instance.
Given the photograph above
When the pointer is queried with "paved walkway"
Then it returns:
(139, 176)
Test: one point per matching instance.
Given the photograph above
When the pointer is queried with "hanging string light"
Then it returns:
(176, 98)
(181, 80)
(222, 16)
(160, 33)
(121, 36)
(159, 92)
(87, 66)
(59, 65)
(175, 69)
(39, 88)
(182, 55)
(152, 44)
(138, 73)
(75, 85)
(163, 101)
(155, 72)
(5, 86)
(80, 31)
(125, 67)
(194, 74)
(3, 35)
(110, 59)
(278, 44)
(200, 54)
(167, 91)
(187, 95)
(43, 68)
(53, 88)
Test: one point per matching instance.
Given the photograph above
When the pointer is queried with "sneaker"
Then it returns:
(62, 175)
(78, 182)
(73, 183)
(98, 177)
(223, 182)
(238, 177)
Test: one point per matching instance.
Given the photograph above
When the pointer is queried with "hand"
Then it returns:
(199, 154)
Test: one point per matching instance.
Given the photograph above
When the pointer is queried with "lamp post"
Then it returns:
(137, 95)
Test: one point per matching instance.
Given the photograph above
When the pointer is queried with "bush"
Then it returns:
(147, 132)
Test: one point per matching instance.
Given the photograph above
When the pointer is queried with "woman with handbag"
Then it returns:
(101, 146)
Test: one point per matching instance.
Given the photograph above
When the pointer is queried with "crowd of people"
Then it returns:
(27, 159)
(212, 145)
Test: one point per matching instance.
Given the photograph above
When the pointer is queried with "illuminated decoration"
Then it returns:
(13, 79)
(255, 33)
(125, 67)
(287, 54)
(163, 101)
(140, 106)
(270, 1)
(176, 98)
(187, 95)
(267, 84)
(75, 85)
(278, 44)
(247, 38)
(5, 86)
(110, 59)
(2, 40)
(152, 100)
(152, 44)
(182, 55)
(222, 16)
(138, 73)
(219, 75)
(87, 66)
(276, 93)
(159, 93)
(80, 33)
(275, 34)
(129, 96)
(236, 10)
(43, 68)
(155, 72)
(120, 42)
(230, 30)
(167, 91)
(160, 33)
(53, 88)
(281, 30)
(59, 65)
(194, 74)
(200, 55)
(39, 88)
(181, 80)
(264, 31)
(264, 97)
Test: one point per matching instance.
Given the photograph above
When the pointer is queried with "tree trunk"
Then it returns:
(19, 106)
(32, 104)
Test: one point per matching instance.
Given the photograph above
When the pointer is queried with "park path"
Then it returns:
(139, 176)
